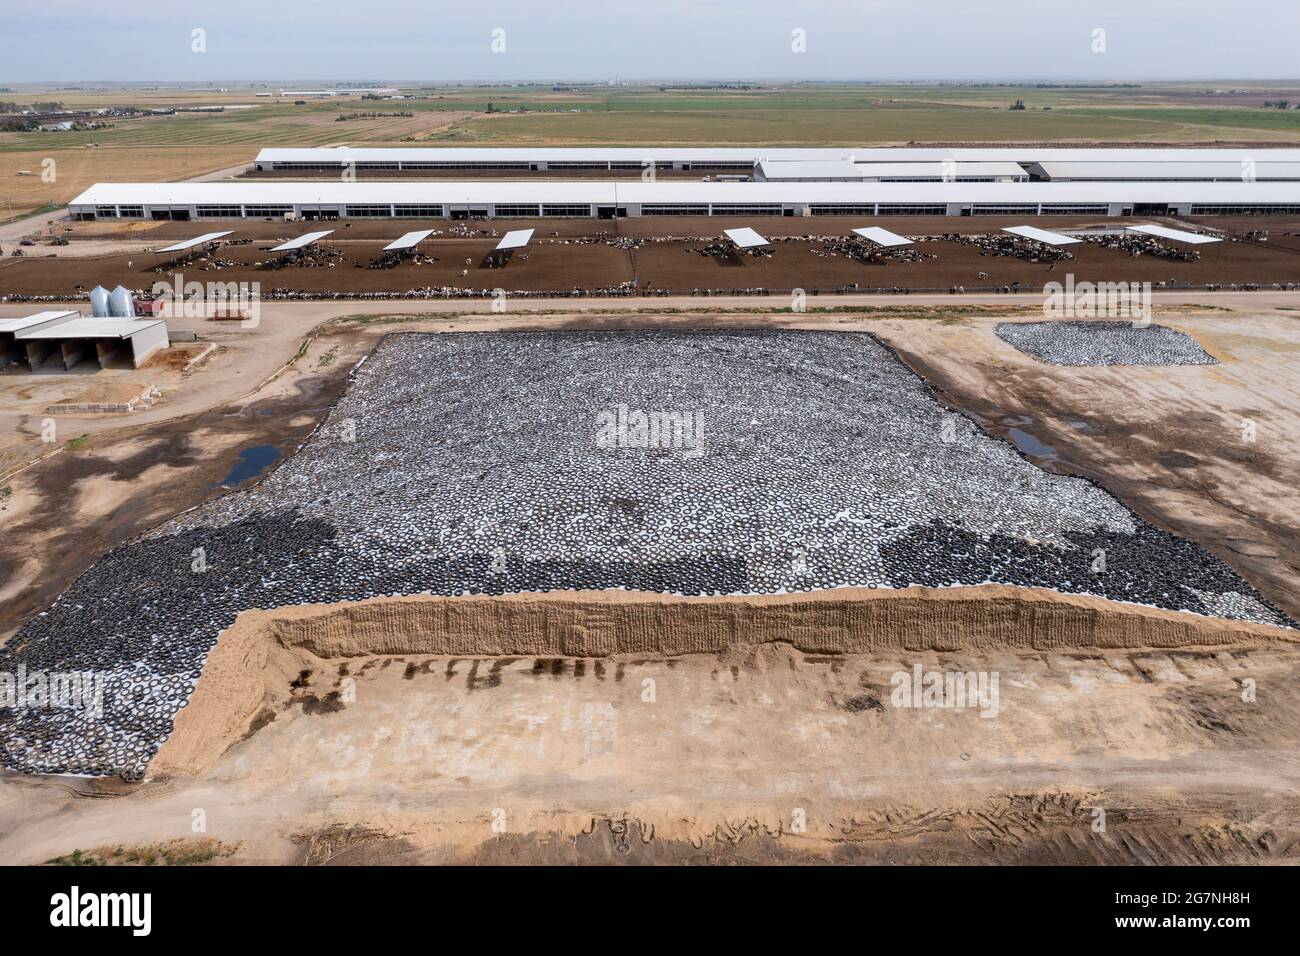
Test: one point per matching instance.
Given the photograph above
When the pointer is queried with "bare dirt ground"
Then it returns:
(794, 756)
(791, 757)
(1174, 443)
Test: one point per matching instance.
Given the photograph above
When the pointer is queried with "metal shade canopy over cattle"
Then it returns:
(1177, 235)
(745, 238)
(1042, 235)
(409, 241)
(196, 241)
(882, 237)
(302, 242)
(515, 239)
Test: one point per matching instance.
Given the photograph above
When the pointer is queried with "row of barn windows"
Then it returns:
(529, 210)
(339, 165)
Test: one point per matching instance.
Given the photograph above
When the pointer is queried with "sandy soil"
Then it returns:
(767, 756)
(240, 681)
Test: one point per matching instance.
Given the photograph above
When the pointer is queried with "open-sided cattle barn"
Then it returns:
(533, 159)
(51, 339)
(607, 198)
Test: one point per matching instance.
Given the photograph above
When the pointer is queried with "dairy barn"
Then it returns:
(607, 200)
(733, 159)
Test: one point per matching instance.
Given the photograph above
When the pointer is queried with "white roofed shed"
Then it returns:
(68, 338)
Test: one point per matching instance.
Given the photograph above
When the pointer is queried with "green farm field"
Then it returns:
(169, 147)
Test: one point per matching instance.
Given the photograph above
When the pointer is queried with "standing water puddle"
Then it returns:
(1030, 445)
(252, 462)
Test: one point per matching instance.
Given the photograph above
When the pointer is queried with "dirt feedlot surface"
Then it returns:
(559, 265)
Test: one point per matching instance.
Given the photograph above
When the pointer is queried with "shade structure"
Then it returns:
(409, 241)
(515, 239)
(1177, 235)
(882, 237)
(196, 241)
(1042, 235)
(36, 321)
(745, 238)
(302, 242)
(91, 328)
(68, 338)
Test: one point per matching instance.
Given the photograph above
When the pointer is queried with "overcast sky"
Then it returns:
(141, 40)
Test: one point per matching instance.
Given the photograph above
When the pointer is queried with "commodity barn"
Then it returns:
(50, 339)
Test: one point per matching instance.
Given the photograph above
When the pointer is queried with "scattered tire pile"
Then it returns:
(470, 463)
(1103, 343)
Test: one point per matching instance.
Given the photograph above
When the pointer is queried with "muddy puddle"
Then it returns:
(252, 461)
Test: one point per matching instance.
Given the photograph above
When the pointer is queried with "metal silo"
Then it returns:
(99, 302)
(120, 304)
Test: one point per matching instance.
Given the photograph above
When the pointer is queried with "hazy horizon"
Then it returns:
(70, 42)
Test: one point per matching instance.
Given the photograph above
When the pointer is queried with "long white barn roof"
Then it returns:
(777, 170)
(1174, 169)
(957, 168)
(87, 327)
(40, 318)
(485, 192)
(508, 154)
(858, 154)
(1154, 154)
